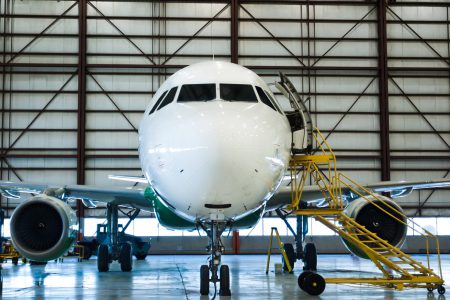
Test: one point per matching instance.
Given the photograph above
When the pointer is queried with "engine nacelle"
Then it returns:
(43, 228)
(377, 221)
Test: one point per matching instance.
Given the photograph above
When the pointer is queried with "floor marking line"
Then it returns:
(182, 281)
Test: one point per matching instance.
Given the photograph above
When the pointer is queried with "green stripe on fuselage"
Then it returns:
(249, 220)
(170, 219)
(166, 216)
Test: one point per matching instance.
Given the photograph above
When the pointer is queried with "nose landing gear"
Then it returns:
(214, 231)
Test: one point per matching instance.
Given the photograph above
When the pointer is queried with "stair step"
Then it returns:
(369, 241)
(402, 262)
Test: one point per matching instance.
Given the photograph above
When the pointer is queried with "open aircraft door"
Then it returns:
(299, 118)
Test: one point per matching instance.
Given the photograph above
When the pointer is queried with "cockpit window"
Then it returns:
(197, 92)
(237, 92)
(157, 103)
(169, 98)
(275, 103)
(264, 98)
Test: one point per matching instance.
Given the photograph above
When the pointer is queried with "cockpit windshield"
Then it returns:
(197, 92)
(237, 92)
(267, 99)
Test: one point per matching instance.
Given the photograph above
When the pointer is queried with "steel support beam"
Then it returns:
(234, 40)
(383, 96)
(81, 132)
(3, 80)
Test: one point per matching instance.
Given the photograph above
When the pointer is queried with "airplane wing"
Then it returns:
(397, 189)
(88, 194)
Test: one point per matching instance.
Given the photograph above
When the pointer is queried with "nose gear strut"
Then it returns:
(219, 273)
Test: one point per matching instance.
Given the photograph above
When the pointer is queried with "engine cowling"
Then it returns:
(43, 228)
(377, 221)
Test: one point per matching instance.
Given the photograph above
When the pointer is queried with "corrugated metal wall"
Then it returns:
(76, 77)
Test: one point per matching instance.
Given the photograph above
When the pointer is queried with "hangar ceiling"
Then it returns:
(76, 77)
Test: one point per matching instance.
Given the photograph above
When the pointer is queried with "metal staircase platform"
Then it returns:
(398, 269)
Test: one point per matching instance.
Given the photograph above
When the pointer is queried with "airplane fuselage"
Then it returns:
(214, 146)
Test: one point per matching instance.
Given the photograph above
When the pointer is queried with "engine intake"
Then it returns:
(43, 228)
(385, 226)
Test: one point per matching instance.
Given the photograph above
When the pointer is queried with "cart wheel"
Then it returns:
(301, 278)
(441, 290)
(314, 284)
(430, 289)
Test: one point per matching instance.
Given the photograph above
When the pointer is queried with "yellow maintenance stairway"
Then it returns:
(398, 269)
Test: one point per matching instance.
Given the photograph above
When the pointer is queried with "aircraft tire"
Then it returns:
(310, 257)
(103, 258)
(314, 284)
(224, 281)
(204, 280)
(290, 253)
(126, 258)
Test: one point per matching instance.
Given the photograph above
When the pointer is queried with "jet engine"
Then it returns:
(377, 221)
(43, 228)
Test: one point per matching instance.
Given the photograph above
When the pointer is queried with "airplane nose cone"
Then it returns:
(222, 154)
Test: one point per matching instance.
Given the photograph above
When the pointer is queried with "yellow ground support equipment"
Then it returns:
(9, 252)
(280, 244)
(398, 269)
(78, 250)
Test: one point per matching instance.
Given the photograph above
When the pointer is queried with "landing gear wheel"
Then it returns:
(224, 281)
(103, 258)
(290, 253)
(204, 280)
(310, 257)
(301, 278)
(314, 284)
(441, 290)
(125, 258)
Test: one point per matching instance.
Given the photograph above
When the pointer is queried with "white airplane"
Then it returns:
(214, 146)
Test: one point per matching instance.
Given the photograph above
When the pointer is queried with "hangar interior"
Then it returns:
(76, 77)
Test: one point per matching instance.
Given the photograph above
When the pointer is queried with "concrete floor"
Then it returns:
(177, 277)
